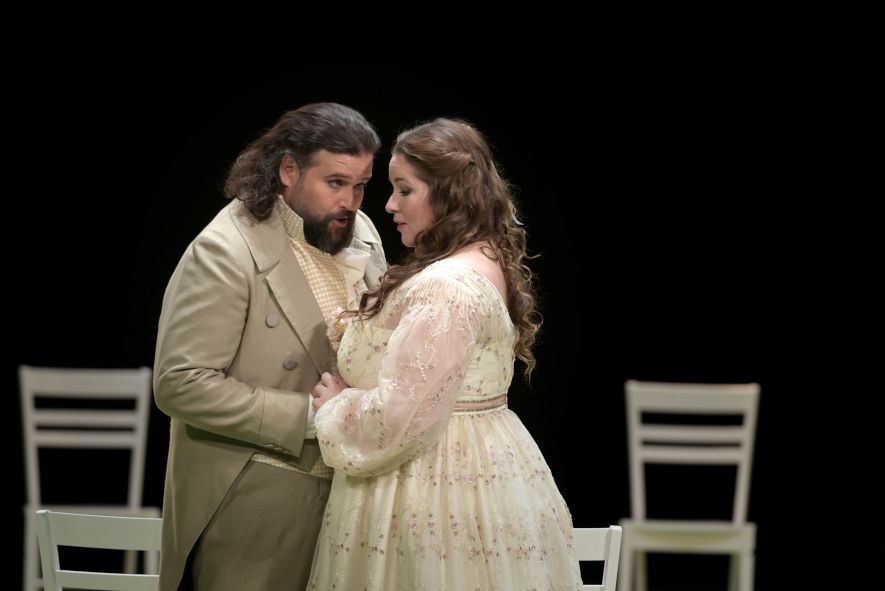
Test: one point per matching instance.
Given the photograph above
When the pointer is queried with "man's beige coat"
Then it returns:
(241, 342)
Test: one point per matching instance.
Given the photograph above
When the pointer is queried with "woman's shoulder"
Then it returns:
(448, 279)
(444, 273)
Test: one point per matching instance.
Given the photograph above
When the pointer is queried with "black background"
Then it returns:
(663, 185)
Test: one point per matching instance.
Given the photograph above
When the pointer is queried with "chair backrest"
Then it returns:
(95, 531)
(66, 424)
(671, 442)
(600, 544)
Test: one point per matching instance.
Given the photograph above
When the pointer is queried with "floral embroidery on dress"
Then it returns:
(425, 498)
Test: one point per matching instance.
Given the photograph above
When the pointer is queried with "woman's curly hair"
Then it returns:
(470, 202)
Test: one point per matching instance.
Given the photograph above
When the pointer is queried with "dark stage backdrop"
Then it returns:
(650, 190)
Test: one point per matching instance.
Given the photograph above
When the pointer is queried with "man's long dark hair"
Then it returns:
(254, 177)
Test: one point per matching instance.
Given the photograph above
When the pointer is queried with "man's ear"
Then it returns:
(289, 171)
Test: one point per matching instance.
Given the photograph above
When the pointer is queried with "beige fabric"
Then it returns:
(327, 284)
(242, 556)
(241, 343)
(323, 276)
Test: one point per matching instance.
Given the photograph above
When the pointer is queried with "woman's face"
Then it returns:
(410, 201)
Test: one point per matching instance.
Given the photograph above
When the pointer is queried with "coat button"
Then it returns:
(272, 320)
(290, 363)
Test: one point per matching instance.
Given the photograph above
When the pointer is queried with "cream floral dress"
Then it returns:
(437, 484)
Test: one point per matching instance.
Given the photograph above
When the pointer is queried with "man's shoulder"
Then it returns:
(223, 227)
(225, 230)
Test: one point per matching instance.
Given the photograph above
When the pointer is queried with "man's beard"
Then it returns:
(320, 235)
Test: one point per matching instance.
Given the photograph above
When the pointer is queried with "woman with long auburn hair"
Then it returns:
(437, 484)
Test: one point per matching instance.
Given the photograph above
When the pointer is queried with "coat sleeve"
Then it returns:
(368, 432)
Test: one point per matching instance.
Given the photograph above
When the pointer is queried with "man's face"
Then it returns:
(326, 195)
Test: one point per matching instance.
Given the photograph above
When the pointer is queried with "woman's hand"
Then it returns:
(327, 388)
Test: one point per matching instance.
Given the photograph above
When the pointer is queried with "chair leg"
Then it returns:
(130, 561)
(734, 575)
(625, 567)
(30, 579)
(641, 571)
(740, 571)
(152, 563)
(748, 570)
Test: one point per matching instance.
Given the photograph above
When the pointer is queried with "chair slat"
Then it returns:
(81, 530)
(85, 418)
(600, 544)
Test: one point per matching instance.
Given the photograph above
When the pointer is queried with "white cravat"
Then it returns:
(352, 264)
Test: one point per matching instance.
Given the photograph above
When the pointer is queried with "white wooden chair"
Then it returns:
(56, 529)
(67, 424)
(600, 544)
(698, 444)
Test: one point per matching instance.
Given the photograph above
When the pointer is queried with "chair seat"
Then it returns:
(693, 537)
(111, 510)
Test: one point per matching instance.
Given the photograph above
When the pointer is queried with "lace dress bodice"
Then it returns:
(443, 341)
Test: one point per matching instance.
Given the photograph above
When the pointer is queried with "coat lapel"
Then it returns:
(292, 291)
(272, 254)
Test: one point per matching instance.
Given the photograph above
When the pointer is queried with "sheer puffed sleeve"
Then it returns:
(368, 432)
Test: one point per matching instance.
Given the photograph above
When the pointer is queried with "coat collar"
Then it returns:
(270, 249)
(267, 239)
